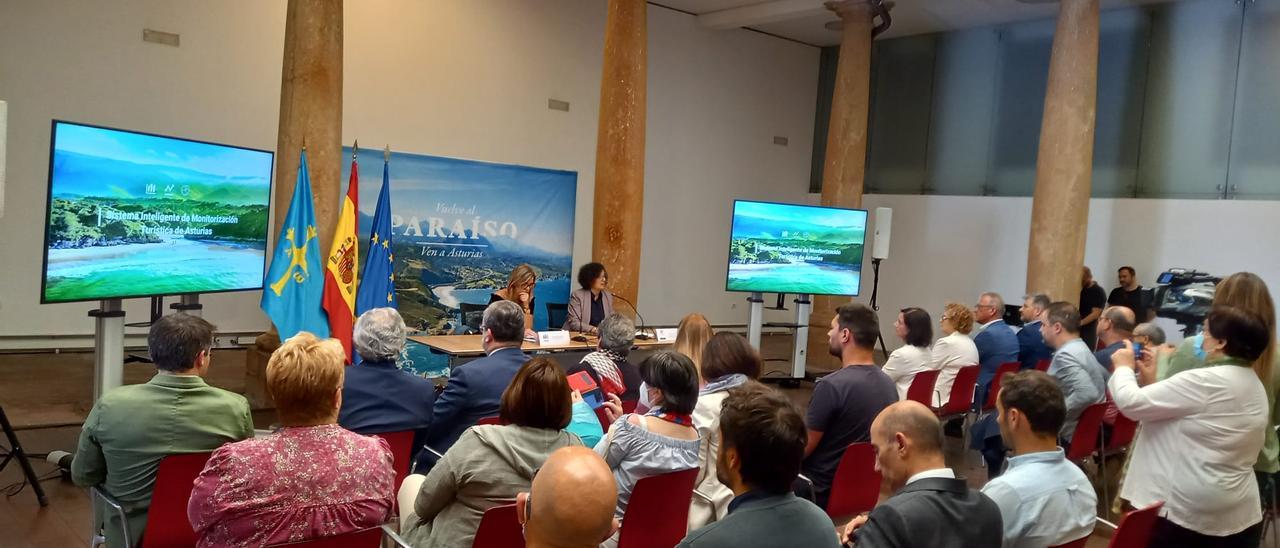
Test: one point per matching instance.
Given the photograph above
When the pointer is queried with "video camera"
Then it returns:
(1185, 296)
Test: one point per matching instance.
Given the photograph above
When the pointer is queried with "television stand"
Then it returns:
(800, 328)
(108, 347)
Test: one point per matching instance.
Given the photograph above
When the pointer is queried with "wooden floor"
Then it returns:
(47, 397)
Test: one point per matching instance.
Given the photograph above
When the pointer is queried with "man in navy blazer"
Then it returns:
(1031, 346)
(475, 388)
(378, 397)
(996, 342)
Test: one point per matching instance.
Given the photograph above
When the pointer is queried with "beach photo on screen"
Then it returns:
(785, 248)
(134, 215)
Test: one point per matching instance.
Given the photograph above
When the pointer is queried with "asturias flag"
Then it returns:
(378, 289)
(340, 274)
(294, 283)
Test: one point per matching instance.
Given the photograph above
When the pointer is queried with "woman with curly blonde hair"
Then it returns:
(954, 350)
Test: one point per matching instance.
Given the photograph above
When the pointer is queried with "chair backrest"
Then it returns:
(856, 485)
(921, 389)
(364, 538)
(167, 524)
(1006, 368)
(1122, 432)
(603, 418)
(658, 513)
(629, 406)
(1084, 441)
(472, 314)
(557, 313)
(490, 421)
(961, 391)
(1077, 543)
(401, 444)
(1134, 530)
(1043, 365)
(499, 528)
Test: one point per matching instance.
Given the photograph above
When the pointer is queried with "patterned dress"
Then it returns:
(297, 484)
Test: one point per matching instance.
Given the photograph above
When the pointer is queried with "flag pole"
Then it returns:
(386, 155)
(355, 149)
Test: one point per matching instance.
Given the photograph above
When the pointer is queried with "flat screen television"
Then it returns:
(788, 248)
(132, 214)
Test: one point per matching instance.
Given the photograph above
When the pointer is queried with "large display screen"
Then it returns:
(137, 215)
(786, 248)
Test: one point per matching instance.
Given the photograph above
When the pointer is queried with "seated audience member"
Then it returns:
(660, 441)
(931, 506)
(1044, 499)
(519, 290)
(1202, 431)
(1031, 346)
(475, 388)
(1092, 300)
(763, 438)
(997, 344)
(915, 329)
(132, 427)
(1149, 335)
(1114, 327)
(729, 362)
(591, 304)
(1131, 295)
(691, 337)
(1082, 378)
(844, 402)
(608, 364)
(309, 479)
(491, 464)
(953, 351)
(378, 397)
(571, 502)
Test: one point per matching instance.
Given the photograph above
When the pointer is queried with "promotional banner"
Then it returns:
(459, 227)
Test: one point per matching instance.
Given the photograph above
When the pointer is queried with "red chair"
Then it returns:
(499, 528)
(1123, 430)
(856, 485)
(604, 418)
(629, 406)
(167, 524)
(1006, 368)
(657, 515)
(489, 421)
(401, 444)
(1043, 366)
(961, 399)
(1077, 543)
(921, 389)
(1134, 530)
(1084, 441)
(364, 538)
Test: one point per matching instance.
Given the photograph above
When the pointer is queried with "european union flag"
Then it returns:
(378, 280)
(295, 281)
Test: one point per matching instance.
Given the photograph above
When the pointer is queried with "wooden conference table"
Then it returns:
(464, 348)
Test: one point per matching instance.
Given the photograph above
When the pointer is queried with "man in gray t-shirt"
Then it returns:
(1083, 380)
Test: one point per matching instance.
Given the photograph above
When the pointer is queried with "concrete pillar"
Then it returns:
(310, 114)
(1064, 164)
(845, 165)
(619, 185)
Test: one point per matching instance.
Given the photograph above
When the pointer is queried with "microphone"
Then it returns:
(641, 334)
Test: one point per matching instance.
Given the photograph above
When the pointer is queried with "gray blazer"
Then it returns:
(933, 512)
(579, 318)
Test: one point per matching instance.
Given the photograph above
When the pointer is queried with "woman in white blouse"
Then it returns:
(1201, 433)
(953, 351)
(915, 329)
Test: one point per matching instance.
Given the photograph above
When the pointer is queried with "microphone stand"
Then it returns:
(16, 452)
(641, 334)
(875, 289)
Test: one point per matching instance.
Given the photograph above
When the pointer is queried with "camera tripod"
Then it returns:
(16, 453)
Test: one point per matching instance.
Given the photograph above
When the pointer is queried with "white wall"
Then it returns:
(952, 248)
(461, 79)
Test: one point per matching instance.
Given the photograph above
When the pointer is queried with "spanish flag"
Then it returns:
(340, 276)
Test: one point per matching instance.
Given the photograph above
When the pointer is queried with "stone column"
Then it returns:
(846, 161)
(619, 185)
(1064, 163)
(310, 114)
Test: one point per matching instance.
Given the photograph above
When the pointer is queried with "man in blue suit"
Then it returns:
(377, 396)
(1031, 346)
(475, 388)
(996, 342)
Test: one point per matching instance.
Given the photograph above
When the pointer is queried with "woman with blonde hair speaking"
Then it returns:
(519, 290)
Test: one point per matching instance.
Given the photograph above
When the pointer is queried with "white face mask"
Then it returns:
(644, 396)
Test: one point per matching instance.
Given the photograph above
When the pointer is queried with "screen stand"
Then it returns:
(108, 347)
(755, 321)
(800, 344)
(189, 304)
